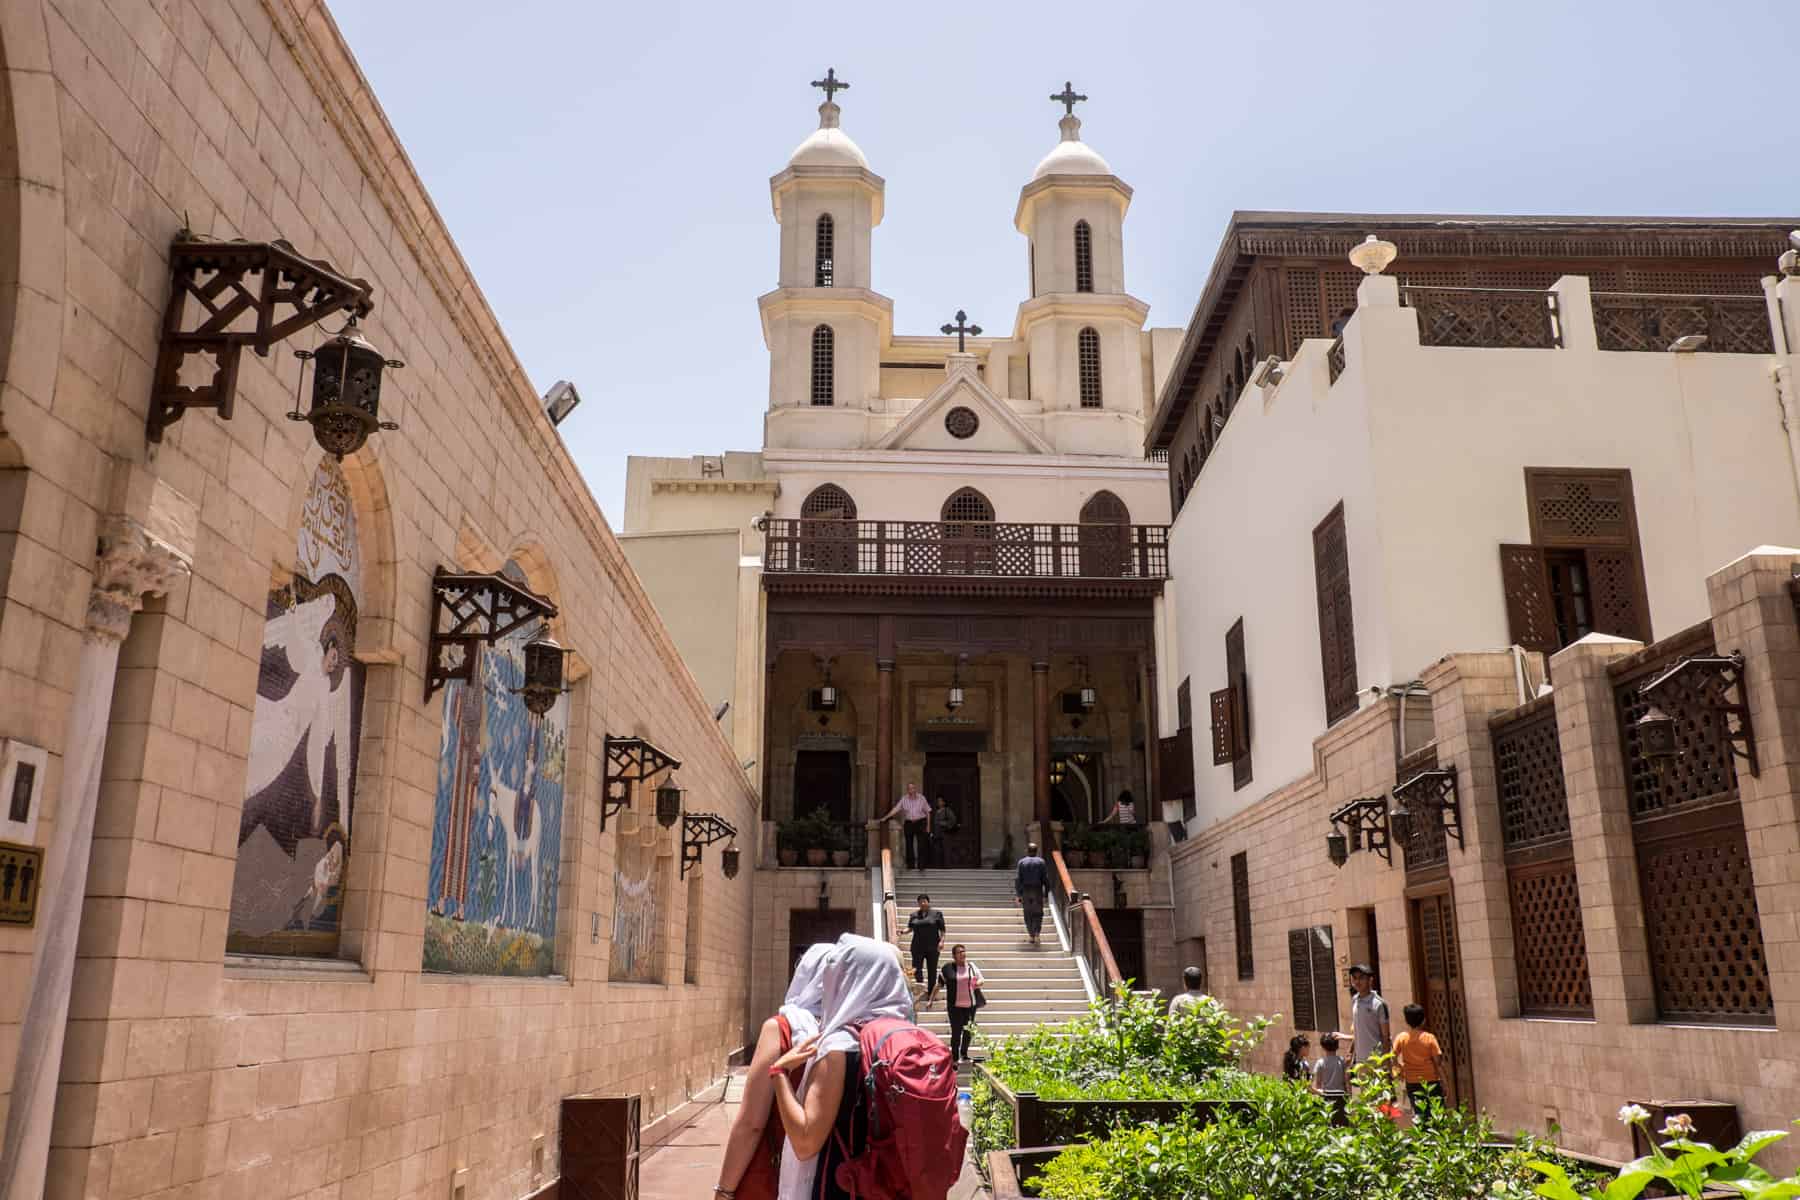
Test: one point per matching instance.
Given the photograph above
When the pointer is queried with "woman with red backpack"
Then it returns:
(752, 1166)
(874, 1116)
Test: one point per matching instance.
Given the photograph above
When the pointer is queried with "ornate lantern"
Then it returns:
(828, 695)
(955, 699)
(1337, 848)
(668, 803)
(1089, 697)
(346, 391)
(1400, 820)
(728, 861)
(544, 662)
(1656, 735)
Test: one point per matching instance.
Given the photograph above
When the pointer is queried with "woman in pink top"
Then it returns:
(961, 981)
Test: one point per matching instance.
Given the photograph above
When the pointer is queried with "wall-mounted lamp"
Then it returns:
(1687, 343)
(561, 400)
(469, 609)
(700, 830)
(1429, 795)
(1089, 697)
(668, 803)
(728, 861)
(825, 894)
(828, 693)
(1686, 692)
(954, 700)
(544, 670)
(345, 407)
(1269, 373)
(630, 760)
(1357, 825)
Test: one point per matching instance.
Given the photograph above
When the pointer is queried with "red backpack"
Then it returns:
(916, 1140)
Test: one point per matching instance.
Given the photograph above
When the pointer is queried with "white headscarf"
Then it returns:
(806, 993)
(863, 980)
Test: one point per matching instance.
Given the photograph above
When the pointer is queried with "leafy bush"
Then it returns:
(1688, 1172)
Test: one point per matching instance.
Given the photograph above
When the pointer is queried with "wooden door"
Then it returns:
(1124, 928)
(1438, 983)
(809, 925)
(822, 780)
(957, 778)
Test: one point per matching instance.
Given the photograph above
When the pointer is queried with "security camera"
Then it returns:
(1269, 373)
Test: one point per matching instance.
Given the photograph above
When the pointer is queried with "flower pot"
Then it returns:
(1139, 862)
(788, 858)
(840, 858)
(816, 857)
(1075, 858)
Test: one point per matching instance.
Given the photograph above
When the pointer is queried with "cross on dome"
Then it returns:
(1068, 98)
(832, 84)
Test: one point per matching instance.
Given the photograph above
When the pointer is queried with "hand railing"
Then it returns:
(1725, 324)
(1524, 318)
(889, 905)
(1087, 938)
(998, 548)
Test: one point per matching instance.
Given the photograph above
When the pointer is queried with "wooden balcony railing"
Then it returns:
(1730, 324)
(1087, 937)
(1018, 551)
(890, 905)
(1515, 318)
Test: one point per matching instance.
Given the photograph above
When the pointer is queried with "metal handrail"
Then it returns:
(1087, 937)
(889, 906)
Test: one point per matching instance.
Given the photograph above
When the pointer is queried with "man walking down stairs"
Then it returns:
(1025, 984)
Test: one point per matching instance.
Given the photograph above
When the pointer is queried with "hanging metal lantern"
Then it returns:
(728, 861)
(668, 803)
(544, 663)
(1089, 696)
(1337, 848)
(1400, 824)
(346, 391)
(1656, 735)
(955, 699)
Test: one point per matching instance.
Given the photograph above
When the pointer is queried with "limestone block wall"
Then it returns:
(783, 891)
(188, 1072)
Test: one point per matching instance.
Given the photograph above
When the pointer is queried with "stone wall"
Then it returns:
(187, 1071)
(1530, 1072)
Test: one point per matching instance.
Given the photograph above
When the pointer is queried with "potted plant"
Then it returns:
(1139, 848)
(1075, 841)
(837, 840)
(807, 836)
(787, 843)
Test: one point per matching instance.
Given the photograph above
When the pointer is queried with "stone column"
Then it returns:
(1152, 808)
(1040, 742)
(137, 558)
(884, 736)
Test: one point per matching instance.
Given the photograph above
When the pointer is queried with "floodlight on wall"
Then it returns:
(1269, 372)
(345, 406)
(560, 401)
(1372, 256)
(1687, 343)
(1685, 693)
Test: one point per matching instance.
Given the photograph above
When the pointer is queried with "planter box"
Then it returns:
(1012, 1174)
(1055, 1123)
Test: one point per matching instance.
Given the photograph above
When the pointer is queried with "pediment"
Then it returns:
(998, 429)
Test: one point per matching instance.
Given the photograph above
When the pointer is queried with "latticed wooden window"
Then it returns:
(1337, 625)
(828, 531)
(828, 502)
(1583, 572)
(824, 237)
(1088, 352)
(967, 504)
(968, 533)
(1084, 257)
(1240, 911)
(1105, 537)
(1427, 844)
(1687, 823)
(1312, 978)
(1184, 705)
(1549, 941)
(824, 366)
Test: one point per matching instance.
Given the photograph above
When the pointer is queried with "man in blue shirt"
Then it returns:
(1030, 885)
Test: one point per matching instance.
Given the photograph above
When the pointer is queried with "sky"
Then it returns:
(604, 167)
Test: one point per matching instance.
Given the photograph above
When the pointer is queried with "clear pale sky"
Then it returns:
(604, 167)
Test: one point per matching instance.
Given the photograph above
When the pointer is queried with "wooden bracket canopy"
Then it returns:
(469, 609)
(629, 760)
(1365, 823)
(698, 831)
(292, 294)
(1434, 792)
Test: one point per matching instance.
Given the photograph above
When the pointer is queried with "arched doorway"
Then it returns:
(1105, 537)
(968, 533)
(828, 531)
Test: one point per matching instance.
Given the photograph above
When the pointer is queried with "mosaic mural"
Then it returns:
(294, 833)
(496, 838)
(637, 914)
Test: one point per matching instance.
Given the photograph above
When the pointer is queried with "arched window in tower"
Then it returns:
(1084, 257)
(824, 366)
(828, 531)
(968, 533)
(1088, 346)
(1105, 536)
(824, 232)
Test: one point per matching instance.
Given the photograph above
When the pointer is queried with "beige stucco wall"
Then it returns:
(185, 1074)
(1426, 447)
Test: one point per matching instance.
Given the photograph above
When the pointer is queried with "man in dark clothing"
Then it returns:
(926, 925)
(1030, 885)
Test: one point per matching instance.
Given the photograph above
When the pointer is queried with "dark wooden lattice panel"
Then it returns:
(1613, 585)
(1304, 319)
(1337, 624)
(1340, 293)
(1240, 910)
(1704, 770)
(1579, 508)
(1535, 280)
(1716, 283)
(1635, 321)
(1427, 844)
(1530, 614)
(1482, 317)
(1706, 943)
(1549, 943)
(1534, 806)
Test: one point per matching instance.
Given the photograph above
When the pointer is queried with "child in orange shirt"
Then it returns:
(1419, 1060)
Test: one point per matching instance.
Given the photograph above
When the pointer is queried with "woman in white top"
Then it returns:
(1124, 811)
(961, 980)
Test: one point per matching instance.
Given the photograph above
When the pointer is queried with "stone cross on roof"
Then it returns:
(1067, 98)
(831, 84)
(961, 328)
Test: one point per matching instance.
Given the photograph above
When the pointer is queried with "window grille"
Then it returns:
(1240, 910)
(1089, 344)
(824, 359)
(968, 504)
(968, 533)
(828, 502)
(824, 238)
(1084, 257)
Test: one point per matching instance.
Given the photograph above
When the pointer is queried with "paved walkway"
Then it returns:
(686, 1165)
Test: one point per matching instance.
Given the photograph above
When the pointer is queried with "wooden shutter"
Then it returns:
(1337, 626)
(1224, 720)
(1240, 910)
(1614, 578)
(1184, 705)
(1530, 616)
(1239, 678)
(1300, 978)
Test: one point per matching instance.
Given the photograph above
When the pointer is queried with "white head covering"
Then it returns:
(862, 980)
(806, 993)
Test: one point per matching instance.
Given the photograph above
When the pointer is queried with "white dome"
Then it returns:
(828, 146)
(1072, 158)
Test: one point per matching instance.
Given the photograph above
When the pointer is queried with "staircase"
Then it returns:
(1025, 985)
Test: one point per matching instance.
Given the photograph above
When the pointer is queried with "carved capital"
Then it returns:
(132, 563)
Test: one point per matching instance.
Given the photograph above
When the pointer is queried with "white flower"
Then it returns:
(1680, 1125)
(1633, 1114)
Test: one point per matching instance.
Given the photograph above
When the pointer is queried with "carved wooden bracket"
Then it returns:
(698, 831)
(467, 610)
(629, 760)
(292, 293)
